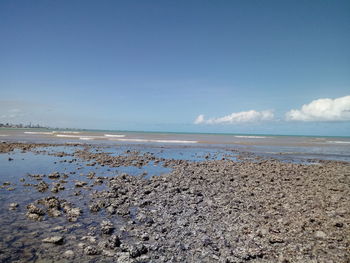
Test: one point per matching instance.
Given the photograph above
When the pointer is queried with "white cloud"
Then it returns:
(322, 110)
(199, 119)
(238, 117)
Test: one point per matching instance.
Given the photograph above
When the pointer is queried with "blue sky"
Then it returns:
(158, 65)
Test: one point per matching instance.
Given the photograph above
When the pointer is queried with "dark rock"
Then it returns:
(137, 250)
(54, 175)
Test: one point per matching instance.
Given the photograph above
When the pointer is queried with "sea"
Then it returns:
(286, 147)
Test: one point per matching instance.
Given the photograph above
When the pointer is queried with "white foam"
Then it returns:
(114, 135)
(45, 133)
(156, 141)
(250, 136)
(3, 135)
(74, 132)
(87, 137)
(345, 142)
(67, 136)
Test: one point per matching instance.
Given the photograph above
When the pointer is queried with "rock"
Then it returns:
(94, 207)
(68, 254)
(42, 186)
(80, 184)
(339, 224)
(50, 202)
(276, 239)
(113, 242)
(32, 209)
(57, 187)
(137, 250)
(54, 175)
(108, 253)
(54, 189)
(54, 212)
(125, 258)
(90, 250)
(320, 234)
(107, 227)
(33, 216)
(58, 240)
(81, 245)
(144, 237)
(13, 206)
(110, 209)
(74, 212)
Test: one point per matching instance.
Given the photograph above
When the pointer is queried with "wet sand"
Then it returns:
(90, 203)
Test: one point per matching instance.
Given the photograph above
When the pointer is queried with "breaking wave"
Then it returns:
(114, 135)
(86, 138)
(45, 133)
(74, 132)
(250, 136)
(81, 137)
(344, 142)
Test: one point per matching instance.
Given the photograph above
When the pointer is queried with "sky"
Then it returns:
(261, 67)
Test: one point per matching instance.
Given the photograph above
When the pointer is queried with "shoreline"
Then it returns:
(216, 208)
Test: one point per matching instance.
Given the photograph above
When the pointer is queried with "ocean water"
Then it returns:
(282, 147)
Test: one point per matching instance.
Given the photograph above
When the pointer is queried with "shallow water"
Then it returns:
(21, 238)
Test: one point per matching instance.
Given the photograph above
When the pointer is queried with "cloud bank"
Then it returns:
(322, 110)
(238, 117)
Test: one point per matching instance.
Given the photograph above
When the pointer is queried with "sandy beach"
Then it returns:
(90, 203)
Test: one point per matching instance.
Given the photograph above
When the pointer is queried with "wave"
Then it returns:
(74, 132)
(345, 142)
(250, 136)
(153, 140)
(114, 135)
(3, 135)
(67, 136)
(86, 137)
(45, 133)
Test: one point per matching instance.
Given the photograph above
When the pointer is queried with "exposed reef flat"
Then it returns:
(82, 209)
